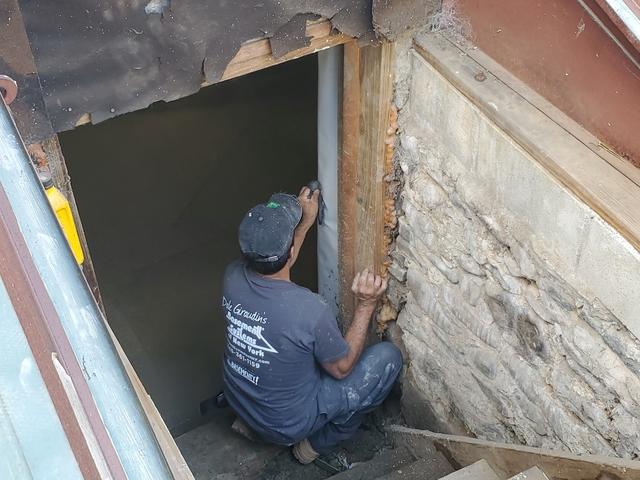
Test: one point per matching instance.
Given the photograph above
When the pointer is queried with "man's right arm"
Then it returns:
(368, 288)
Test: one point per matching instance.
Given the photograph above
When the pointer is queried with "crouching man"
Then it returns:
(288, 371)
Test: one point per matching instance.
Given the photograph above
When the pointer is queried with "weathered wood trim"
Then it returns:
(256, 54)
(347, 163)
(508, 460)
(367, 97)
(607, 191)
(176, 462)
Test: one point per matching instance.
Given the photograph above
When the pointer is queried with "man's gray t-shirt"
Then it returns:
(277, 335)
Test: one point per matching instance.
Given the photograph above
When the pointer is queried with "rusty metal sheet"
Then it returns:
(560, 51)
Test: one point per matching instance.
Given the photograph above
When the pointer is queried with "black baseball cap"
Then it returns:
(266, 231)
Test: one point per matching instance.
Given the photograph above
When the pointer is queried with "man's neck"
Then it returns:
(284, 274)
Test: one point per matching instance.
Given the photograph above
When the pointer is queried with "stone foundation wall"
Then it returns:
(508, 334)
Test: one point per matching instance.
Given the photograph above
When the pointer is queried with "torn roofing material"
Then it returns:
(108, 58)
(392, 17)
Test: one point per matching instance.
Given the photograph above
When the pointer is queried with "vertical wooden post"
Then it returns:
(367, 97)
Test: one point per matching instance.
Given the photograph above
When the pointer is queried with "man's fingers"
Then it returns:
(370, 278)
(316, 195)
(354, 285)
(363, 279)
(368, 283)
(304, 192)
(363, 275)
(368, 286)
(382, 288)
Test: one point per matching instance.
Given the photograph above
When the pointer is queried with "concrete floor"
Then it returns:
(161, 193)
(214, 452)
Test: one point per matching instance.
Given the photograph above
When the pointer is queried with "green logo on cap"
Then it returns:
(272, 205)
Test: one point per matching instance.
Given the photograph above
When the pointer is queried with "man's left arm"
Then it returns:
(309, 204)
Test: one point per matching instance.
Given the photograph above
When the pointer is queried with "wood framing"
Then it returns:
(367, 99)
(256, 54)
(508, 460)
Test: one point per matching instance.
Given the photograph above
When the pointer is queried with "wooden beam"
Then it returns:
(367, 100)
(508, 460)
(256, 54)
(347, 164)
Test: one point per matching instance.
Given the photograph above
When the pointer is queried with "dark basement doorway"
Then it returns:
(161, 192)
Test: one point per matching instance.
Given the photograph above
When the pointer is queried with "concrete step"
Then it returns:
(533, 473)
(386, 461)
(429, 468)
(477, 471)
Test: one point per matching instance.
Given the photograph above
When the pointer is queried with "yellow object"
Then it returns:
(62, 210)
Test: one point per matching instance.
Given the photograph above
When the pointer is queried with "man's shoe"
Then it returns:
(334, 462)
(304, 452)
(241, 428)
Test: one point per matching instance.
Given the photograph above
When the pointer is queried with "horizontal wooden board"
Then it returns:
(508, 460)
(256, 54)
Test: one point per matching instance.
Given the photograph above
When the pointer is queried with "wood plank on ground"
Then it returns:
(534, 473)
(479, 470)
(509, 460)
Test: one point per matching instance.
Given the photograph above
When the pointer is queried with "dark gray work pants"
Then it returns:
(344, 403)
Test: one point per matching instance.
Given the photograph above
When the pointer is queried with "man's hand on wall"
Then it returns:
(368, 288)
(309, 204)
